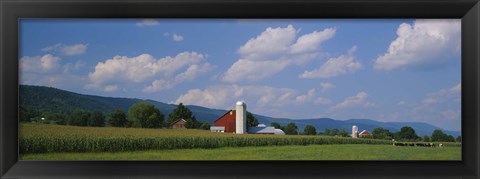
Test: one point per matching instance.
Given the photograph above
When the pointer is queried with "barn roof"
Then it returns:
(364, 132)
(228, 112)
(261, 130)
(180, 120)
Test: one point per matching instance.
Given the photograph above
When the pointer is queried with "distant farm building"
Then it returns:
(235, 121)
(179, 124)
(364, 133)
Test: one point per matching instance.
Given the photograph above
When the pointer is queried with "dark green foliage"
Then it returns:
(251, 120)
(381, 133)
(52, 100)
(205, 126)
(276, 125)
(182, 112)
(406, 133)
(118, 119)
(291, 129)
(335, 132)
(426, 138)
(79, 118)
(310, 130)
(458, 139)
(145, 115)
(27, 114)
(56, 118)
(97, 119)
(439, 136)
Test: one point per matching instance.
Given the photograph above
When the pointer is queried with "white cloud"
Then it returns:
(443, 95)
(274, 50)
(311, 42)
(326, 86)
(340, 65)
(39, 64)
(69, 50)
(148, 22)
(425, 42)
(306, 97)
(224, 96)
(123, 69)
(401, 103)
(322, 101)
(190, 74)
(356, 100)
(177, 37)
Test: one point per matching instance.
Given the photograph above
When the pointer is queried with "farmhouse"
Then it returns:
(235, 121)
(355, 133)
(179, 124)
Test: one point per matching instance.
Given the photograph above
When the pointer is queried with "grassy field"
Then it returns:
(55, 142)
(309, 152)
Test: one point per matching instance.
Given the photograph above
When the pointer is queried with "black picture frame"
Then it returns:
(12, 10)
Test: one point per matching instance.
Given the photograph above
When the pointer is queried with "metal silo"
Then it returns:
(241, 117)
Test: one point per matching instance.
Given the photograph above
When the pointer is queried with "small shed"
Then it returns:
(217, 128)
(179, 124)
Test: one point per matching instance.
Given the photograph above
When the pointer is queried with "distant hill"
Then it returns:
(48, 99)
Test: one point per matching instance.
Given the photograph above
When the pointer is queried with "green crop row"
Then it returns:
(34, 139)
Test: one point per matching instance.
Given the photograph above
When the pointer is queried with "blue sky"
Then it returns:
(386, 70)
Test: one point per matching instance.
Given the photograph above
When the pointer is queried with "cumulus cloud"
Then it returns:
(39, 64)
(426, 41)
(358, 100)
(274, 50)
(123, 69)
(69, 50)
(177, 37)
(220, 96)
(326, 86)
(306, 97)
(443, 95)
(148, 22)
(340, 65)
(190, 74)
(322, 101)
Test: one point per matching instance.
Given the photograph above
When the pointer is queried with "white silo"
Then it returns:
(241, 117)
(354, 131)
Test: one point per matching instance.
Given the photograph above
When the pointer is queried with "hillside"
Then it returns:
(47, 99)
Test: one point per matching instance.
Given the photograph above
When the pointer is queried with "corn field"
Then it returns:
(40, 138)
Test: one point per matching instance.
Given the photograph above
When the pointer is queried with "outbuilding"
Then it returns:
(179, 124)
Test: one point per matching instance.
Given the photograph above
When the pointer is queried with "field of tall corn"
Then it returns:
(43, 138)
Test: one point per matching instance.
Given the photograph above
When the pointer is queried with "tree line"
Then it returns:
(139, 115)
(406, 133)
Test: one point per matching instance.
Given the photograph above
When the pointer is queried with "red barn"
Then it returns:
(364, 133)
(227, 120)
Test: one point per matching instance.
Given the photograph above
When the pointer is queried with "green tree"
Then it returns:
(192, 123)
(27, 114)
(381, 133)
(182, 112)
(205, 126)
(118, 119)
(439, 136)
(426, 138)
(79, 118)
(251, 120)
(276, 125)
(327, 132)
(407, 133)
(459, 138)
(343, 133)
(291, 129)
(310, 130)
(55, 118)
(97, 119)
(145, 115)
